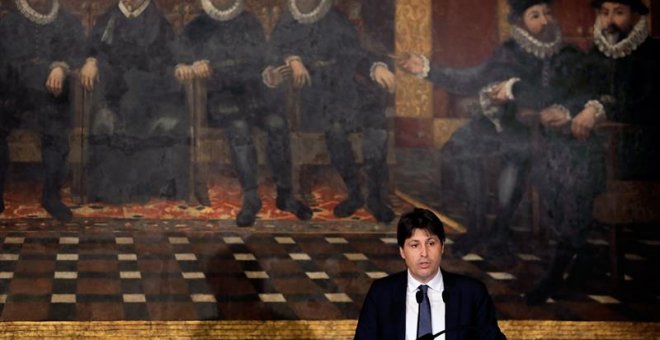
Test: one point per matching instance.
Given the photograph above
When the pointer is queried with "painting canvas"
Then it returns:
(237, 168)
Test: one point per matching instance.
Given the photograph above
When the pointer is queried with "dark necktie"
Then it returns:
(424, 321)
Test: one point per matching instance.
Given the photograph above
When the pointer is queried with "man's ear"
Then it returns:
(403, 255)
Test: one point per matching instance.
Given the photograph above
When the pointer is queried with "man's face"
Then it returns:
(132, 4)
(306, 6)
(616, 20)
(538, 21)
(422, 252)
(223, 4)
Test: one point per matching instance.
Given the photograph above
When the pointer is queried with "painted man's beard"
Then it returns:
(614, 34)
(548, 33)
(132, 4)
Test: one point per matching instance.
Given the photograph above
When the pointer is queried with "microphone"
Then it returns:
(419, 296)
(445, 296)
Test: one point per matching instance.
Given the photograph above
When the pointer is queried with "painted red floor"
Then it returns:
(22, 201)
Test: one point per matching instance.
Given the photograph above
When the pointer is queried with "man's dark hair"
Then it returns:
(419, 218)
(636, 5)
(518, 7)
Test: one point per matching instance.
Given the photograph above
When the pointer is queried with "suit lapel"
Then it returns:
(452, 306)
(399, 304)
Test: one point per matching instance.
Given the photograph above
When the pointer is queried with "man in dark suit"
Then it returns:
(425, 300)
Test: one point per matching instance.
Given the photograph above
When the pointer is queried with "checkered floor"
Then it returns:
(154, 272)
(177, 270)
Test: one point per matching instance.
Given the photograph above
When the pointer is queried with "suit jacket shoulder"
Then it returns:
(383, 314)
(469, 309)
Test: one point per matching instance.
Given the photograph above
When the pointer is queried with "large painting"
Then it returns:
(248, 160)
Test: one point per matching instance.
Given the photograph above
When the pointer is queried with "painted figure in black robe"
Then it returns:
(138, 142)
(40, 43)
(375, 85)
(575, 165)
(554, 88)
(494, 135)
(532, 75)
(226, 46)
(322, 48)
(625, 64)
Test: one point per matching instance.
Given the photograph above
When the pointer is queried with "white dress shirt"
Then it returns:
(436, 286)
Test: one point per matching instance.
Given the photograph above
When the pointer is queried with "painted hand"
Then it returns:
(202, 69)
(385, 78)
(274, 76)
(55, 81)
(554, 117)
(584, 123)
(184, 73)
(409, 62)
(499, 95)
(89, 74)
(300, 74)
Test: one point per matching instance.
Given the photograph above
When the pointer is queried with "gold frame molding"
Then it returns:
(301, 330)
(503, 26)
(414, 98)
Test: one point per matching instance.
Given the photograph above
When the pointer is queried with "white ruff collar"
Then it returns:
(539, 49)
(309, 18)
(134, 13)
(220, 15)
(624, 47)
(36, 17)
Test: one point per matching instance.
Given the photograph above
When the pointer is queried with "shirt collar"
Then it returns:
(221, 15)
(36, 17)
(136, 12)
(309, 18)
(540, 49)
(436, 283)
(624, 47)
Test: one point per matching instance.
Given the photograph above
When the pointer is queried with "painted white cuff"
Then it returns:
(61, 64)
(265, 79)
(600, 109)
(425, 69)
(563, 109)
(373, 69)
(291, 58)
(488, 108)
(508, 86)
(199, 62)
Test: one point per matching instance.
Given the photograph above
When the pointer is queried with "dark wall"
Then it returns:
(655, 13)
